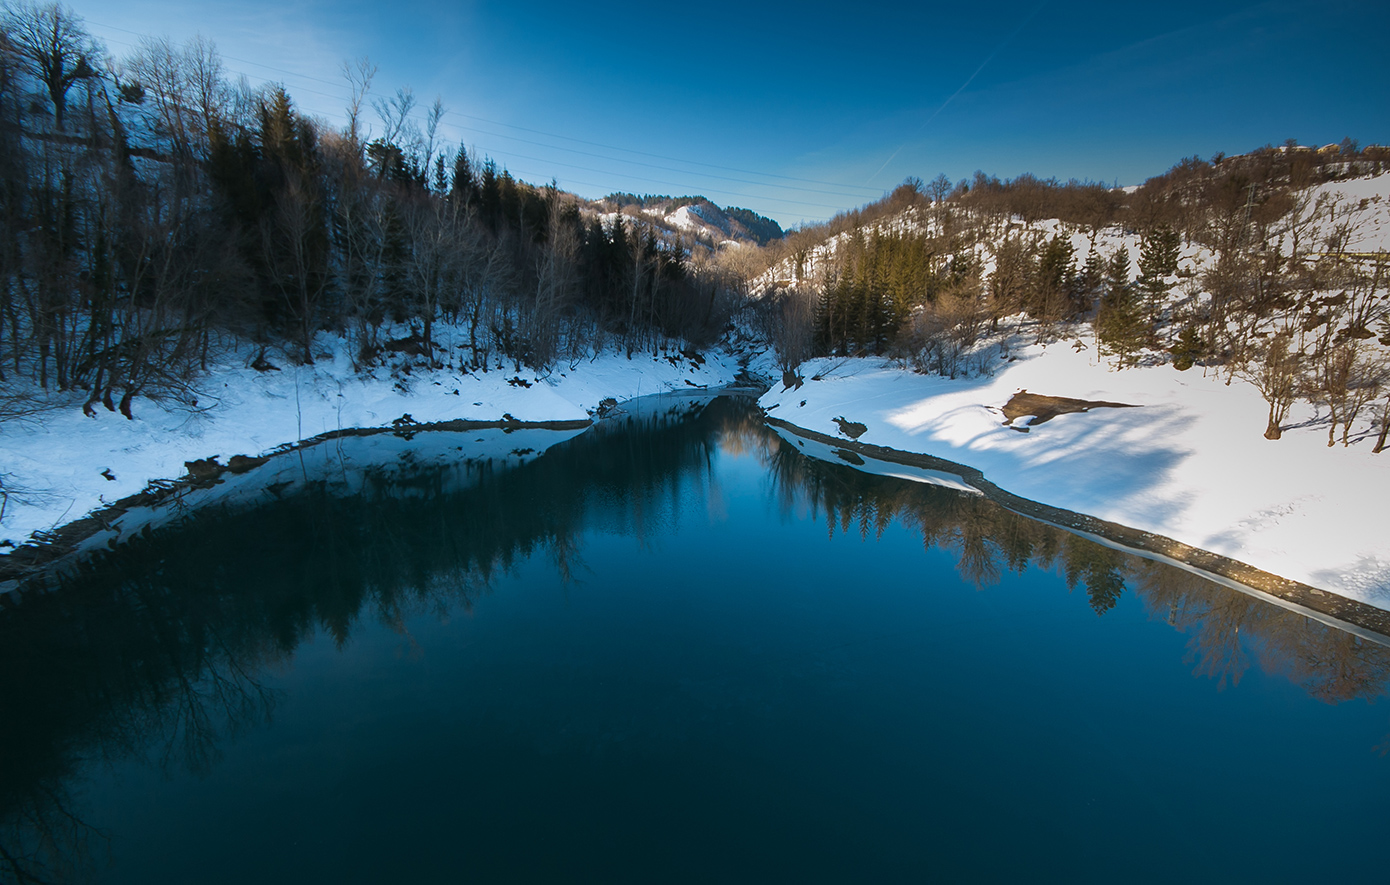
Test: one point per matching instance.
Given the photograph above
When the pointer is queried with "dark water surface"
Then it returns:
(669, 649)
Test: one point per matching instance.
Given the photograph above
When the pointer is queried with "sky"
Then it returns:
(799, 111)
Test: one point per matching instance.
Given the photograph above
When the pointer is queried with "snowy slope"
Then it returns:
(1360, 205)
(56, 466)
(1190, 464)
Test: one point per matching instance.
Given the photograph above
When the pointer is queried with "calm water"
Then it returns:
(667, 649)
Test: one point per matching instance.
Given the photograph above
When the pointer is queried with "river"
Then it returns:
(669, 648)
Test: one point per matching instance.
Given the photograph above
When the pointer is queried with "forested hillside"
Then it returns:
(705, 223)
(153, 211)
(1268, 268)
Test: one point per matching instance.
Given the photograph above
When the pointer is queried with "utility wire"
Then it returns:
(871, 190)
(504, 154)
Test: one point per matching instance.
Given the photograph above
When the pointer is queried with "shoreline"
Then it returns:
(30, 559)
(1225, 570)
(63, 465)
(37, 556)
(33, 559)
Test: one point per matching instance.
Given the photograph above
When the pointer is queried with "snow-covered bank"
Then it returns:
(1191, 464)
(60, 464)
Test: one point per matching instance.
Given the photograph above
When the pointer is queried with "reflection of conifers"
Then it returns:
(158, 643)
(1330, 664)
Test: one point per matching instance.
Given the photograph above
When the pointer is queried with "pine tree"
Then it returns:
(463, 189)
(1120, 326)
(1091, 281)
(490, 196)
(1158, 259)
(1187, 349)
(1053, 283)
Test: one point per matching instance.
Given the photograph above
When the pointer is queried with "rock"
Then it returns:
(243, 463)
(204, 468)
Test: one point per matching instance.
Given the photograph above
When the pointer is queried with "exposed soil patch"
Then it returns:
(1045, 408)
(851, 429)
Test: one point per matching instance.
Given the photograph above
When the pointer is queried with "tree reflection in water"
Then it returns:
(1225, 625)
(154, 649)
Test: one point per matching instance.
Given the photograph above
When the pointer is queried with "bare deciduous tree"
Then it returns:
(359, 75)
(51, 38)
(1275, 373)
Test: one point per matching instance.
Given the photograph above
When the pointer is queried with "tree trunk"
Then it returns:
(1384, 428)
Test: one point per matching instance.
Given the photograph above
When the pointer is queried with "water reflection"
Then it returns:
(1226, 626)
(156, 648)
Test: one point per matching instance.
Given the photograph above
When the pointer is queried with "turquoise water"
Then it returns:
(671, 648)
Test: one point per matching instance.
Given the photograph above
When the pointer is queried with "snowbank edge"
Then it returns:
(32, 560)
(1360, 615)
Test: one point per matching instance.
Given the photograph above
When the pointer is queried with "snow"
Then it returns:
(342, 467)
(1191, 463)
(1361, 205)
(823, 452)
(686, 218)
(53, 464)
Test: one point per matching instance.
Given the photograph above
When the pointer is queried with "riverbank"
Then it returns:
(59, 465)
(1189, 464)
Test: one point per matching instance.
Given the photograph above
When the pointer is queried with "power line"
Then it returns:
(864, 188)
(706, 191)
(504, 154)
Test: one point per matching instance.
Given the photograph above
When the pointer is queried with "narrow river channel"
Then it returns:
(669, 648)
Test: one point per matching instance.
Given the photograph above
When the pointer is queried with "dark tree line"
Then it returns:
(154, 213)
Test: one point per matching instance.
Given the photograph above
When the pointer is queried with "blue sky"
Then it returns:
(801, 110)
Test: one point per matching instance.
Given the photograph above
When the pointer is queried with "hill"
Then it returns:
(697, 218)
(1245, 310)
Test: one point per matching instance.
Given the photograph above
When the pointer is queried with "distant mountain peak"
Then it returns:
(698, 216)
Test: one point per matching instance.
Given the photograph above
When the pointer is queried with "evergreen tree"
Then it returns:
(1187, 349)
(1091, 281)
(1158, 259)
(490, 196)
(463, 188)
(1050, 299)
(1120, 327)
(294, 242)
(441, 178)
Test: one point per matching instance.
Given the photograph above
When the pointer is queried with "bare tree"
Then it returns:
(1346, 379)
(434, 269)
(1383, 425)
(791, 325)
(1275, 373)
(291, 237)
(394, 114)
(159, 69)
(204, 83)
(436, 114)
(60, 52)
(359, 75)
(555, 278)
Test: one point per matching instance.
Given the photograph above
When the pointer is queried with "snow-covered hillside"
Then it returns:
(1191, 463)
(60, 464)
(1352, 215)
(688, 220)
